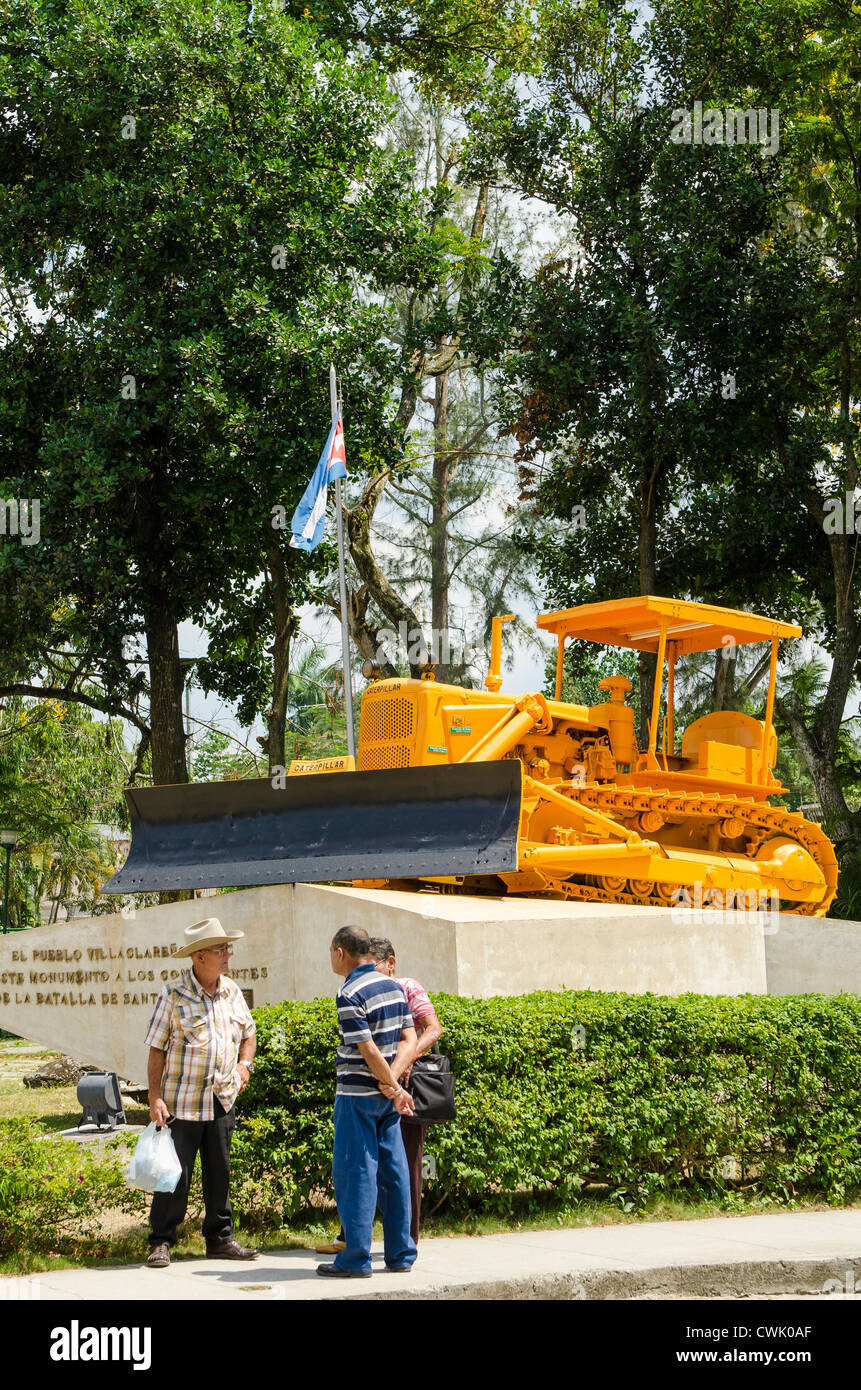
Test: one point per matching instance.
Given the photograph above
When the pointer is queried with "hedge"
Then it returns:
(695, 1094)
(53, 1194)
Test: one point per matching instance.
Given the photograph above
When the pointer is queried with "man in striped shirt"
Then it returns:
(377, 1041)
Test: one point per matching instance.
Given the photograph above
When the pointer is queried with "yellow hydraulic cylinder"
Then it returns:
(581, 858)
(525, 714)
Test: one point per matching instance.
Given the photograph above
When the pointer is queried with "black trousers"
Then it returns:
(414, 1143)
(212, 1138)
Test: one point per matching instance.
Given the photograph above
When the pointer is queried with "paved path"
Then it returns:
(793, 1253)
(15, 1062)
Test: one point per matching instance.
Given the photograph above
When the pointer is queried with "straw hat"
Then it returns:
(200, 935)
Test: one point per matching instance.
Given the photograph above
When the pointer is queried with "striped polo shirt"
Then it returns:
(371, 1008)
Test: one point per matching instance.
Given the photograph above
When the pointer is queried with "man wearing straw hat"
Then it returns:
(201, 1042)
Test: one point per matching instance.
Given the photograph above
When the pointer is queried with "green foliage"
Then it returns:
(586, 665)
(847, 904)
(649, 1094)
(282, 1144)
(316, 695)
(61, 776)
(202, 215)
(53, 1194)
(687, 379)
(219, 758)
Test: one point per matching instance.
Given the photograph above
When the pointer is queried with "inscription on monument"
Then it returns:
(122, 975)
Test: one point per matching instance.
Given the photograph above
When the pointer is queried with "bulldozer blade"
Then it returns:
(400, 823)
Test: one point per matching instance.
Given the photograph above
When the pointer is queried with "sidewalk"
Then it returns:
(793, 1253)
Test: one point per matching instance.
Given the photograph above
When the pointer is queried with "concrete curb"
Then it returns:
(751, 1279)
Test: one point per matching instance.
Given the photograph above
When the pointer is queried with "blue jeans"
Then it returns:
(369, 1151)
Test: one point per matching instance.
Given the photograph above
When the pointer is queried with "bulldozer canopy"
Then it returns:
(637, 622)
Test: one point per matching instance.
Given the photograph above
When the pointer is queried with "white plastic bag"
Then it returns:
(154, 1165)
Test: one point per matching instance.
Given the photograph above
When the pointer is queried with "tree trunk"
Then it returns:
(840, 823)
(818, 747)
(390, 603)
(167, 739)
(166, 686)
(723, 682)
(368, 637)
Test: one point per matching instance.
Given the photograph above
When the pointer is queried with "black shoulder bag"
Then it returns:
(431, 1086)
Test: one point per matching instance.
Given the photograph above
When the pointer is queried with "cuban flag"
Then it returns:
(309, 518)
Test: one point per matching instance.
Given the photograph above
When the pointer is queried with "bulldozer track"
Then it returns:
(757, 818)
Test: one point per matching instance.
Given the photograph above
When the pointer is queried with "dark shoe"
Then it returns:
(159, 1257)
(231, 1250)
(398, 1269)
(333, 1272)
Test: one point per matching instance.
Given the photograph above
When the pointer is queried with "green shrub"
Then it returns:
(666, 1095)
(52, 1194)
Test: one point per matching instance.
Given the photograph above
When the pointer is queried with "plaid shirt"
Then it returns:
(201, 1034)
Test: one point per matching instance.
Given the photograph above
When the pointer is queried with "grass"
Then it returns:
(57, 1107)
(541, 1212)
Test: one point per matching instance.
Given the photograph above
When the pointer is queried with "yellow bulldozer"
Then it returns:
(476, 791)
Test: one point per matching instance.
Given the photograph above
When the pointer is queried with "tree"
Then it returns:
(187, 215)
(61, 779)
(675, 377)
(438, 524)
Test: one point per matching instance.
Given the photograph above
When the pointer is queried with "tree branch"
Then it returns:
(53, 692)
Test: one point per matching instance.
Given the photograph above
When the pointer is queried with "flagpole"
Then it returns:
(342, 583)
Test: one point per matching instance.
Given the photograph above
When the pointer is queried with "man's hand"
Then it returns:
(389, 1091)
(403, 1100)
(244, 1074)
(159, 1112)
